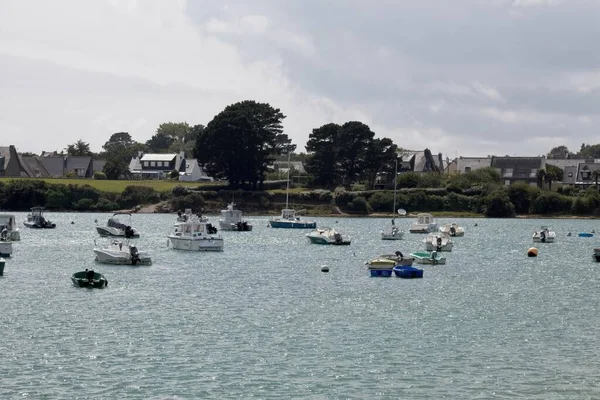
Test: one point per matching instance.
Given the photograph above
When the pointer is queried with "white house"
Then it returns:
(193, 172)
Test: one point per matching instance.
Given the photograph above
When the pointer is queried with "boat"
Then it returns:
(36, 219)
(391, 231)
(391, 260)
(596, 255)
(116, 228)
(407, 272)
(2, 262)
(585, 234)
(380, 271)
(8, 224)
(435, 242)
(196, 234)
(288, 218)
(117, 253)
(424, 224)
(327, 236)
(452, 229)
(82, 279)
(428, 258)
(6, 248)
(232, 220)
(544, 235)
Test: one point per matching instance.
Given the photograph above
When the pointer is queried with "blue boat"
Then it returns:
(585, 234)
(289, 219)
(407, 272)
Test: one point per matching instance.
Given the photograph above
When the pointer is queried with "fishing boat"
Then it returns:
(407, 272)
(428, 258)
(89, 278)
(117, 253)
(232, 220)
(391, 231)
(327, 236)
(116, 228)
(36, 219)
(391, 260)
(424, 224)
(8, 224)
(288, 218)
(452, 229)
(2, 262)
(544, 235)
(435, 242)
(196, 234)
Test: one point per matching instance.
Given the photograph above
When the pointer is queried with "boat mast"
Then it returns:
(395, 183)
(287, 188)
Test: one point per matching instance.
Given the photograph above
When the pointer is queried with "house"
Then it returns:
(33, 167)
(98, 166)
(585, 175)
(80, 166)
(156, 166)
(420, 162)
(10, 164)
(282, 166)
(193, 172)
(568, 164)
(54, 164)
(518, 169)
(468, 164)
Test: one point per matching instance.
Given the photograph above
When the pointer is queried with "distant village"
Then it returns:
(576, 171)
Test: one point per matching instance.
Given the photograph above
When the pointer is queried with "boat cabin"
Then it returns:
(288, 213)
(424, 219)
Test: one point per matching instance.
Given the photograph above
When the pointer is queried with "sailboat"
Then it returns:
(288, 218)
(392, 232)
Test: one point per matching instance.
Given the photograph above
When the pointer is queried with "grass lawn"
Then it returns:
(115, 186)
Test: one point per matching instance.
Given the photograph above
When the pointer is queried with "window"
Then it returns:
(570, 174)
(153, 163)
(467, 169)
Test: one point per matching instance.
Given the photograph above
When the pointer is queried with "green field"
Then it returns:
(115, 186)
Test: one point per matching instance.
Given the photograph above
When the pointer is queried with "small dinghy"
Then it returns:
(585, 234)
(89, 278)
(407, 272)
(428, 258)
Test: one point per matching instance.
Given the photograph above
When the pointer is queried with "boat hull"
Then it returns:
(380, 272)
(6, 249)
(196, 244)
(293, 224)
(390, 261)
(428, 258)
(35, 225)
(123, 258)
(242, 227)
(408, 272)
(80, 279)
(108, 231)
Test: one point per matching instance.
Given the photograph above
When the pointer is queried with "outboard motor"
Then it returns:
(211, 229)
(128, 232)
(244, 226)
(452, 231)
(439, 244)
(338, 238)
(239, 226)
(543, 236)
(135, 255)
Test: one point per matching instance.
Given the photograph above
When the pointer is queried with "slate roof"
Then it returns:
(33, 167)
(4, 156)
(55, 165)
(78, 162)
(517, 162)
(98, 165)
(572, 171)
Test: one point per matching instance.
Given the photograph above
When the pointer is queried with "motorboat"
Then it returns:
(9, 228)
(424, 224)
(115, 226)
(232, 220)
(438, 242)
(118, 253)
(196, 235)
(391, 232)
(407, 272)
(432, 258)
(391, 260)
(2, 263)
(327, 236)
(596, 255)
(6, 248)
(89, 278)
(544, 235)
(288, 218)
(452, 229)
(36, 219)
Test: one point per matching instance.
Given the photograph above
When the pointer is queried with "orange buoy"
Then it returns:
(532, 252)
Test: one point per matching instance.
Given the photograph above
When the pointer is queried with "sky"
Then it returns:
(461, 77)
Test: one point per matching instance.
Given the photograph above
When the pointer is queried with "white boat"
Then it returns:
(327, 236)
(424, 224)
(392, 232)
(435, 242)
(196, 235)
(432, 258)
(116, 228)
(8, 224)
(232, 220)
(544, 235)
(117, 253)
(35, 219)
(6, 248)
(452, 229)
(288, 218)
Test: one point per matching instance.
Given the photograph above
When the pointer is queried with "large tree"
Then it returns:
(79, 148)
(380, 157)
(241, 142)
(323, 145)
(559, 152)
(354, 139)
(118, 151)
(590, 151)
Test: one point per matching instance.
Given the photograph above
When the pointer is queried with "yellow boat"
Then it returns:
(390, 260)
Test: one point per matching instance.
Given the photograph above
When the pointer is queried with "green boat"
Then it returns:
(81, 279)
(428, 258)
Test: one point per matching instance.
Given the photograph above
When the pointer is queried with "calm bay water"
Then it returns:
(260, 320)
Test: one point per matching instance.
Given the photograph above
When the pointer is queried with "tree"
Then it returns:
(322, 164)
(559, 152)
(79, 148)
(539, 175)
(159, 143)
(380, 157)
(549, 177)
(173, 137)
(590, 151)
(354, 140)
(241, 142)
(596, 175)
(118, 152)
(557, 172)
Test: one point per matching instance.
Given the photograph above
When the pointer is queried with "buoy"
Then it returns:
(325, 269)
(532, 252)
(569, 234)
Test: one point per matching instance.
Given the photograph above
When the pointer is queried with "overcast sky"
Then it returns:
(461, 77)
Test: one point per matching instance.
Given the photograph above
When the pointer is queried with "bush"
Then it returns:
(104, 204)
(498, 205)
(99, 175)
(194, 201)
(382, 201)
(174, 174)
(430, 180)
(83, 204)
(56, 199)
(179, 191)
(138, 195)
(408, 180)
(522, 196)
(550, 202)
(360, 205)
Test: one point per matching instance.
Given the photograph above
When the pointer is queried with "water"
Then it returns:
(260, 320)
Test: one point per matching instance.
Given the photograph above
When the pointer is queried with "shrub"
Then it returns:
(179, 191)
(522, 196)
(408, 180)
(498, 205)
(56, 199)
(550, 202)
(104, 204)
(382, 201)
(360, 205)
(83, 204)
(137, 195)
(99, 175)
(195, 201)
(174, 174)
